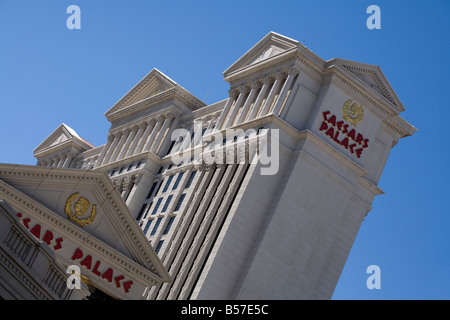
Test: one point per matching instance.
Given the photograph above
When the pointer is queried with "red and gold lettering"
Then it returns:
(351, 134)
(25, 222)
(87, 262)
(48, 237)
(332, 120)
(108, 274)
(344, 143)
(330, 132)
(359, 138)
(58, 244)
(117, 279)
(127, 286)
(95, 270)
(78, 254)
(323, 126)
(36, 231)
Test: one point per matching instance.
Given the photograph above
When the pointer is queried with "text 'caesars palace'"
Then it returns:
(258, 196)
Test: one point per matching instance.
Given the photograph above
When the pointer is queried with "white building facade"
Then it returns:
(258, 196)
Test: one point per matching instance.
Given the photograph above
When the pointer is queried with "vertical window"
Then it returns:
(180, 202)
(160, 170)
(159, 187)
(169, 198)
(170, 147)
(156, 226)
(169, 180)
(112, 172)
(166, 231)
(121, 170)
(139, 164)
(152, 189)
(157, 206)
(158, 247)
(191, 178)
(141, 212)
(129, 167)
(175, 185)
(147, 226)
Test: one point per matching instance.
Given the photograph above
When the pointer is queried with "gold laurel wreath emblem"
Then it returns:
(352, 112)
(81, 207)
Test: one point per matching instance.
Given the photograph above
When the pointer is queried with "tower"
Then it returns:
(258, 196)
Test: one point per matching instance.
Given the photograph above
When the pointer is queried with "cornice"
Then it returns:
(99, 179)
(372, 98)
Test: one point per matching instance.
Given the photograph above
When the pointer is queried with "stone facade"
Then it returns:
(226, 229)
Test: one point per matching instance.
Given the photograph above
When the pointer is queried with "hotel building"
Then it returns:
(258, 196)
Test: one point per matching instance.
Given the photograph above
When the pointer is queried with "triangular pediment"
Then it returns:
(373, 77)
(64, 137)
(271, 46)
(154, 88)
(154, 83)
(84, 209)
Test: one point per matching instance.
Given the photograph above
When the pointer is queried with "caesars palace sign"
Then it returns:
(340, 131)
(70, 251)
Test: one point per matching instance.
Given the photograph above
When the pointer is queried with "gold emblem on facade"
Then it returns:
(80, 208)
(352, 112)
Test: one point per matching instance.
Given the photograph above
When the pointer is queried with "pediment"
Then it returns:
(271, 46)
(154, 83)
(100, 225)
(63, 137)
(373, 77)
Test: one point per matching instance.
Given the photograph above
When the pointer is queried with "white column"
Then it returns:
(61, 161)
(161, 133)
(69, 159)
(255, 86)
(293, 93)
(127, 144)
(105, 149)
(137, 138)
(243, 93)
(211, 123)
(287, 84)
(145, 136)
(120, 145)
(272, 93)
(112, 147)
(232, 95)
(155, 130)
(254, 111)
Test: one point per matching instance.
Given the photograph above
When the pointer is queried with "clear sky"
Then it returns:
(50, 74)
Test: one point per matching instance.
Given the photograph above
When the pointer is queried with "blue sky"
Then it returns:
(50, 75)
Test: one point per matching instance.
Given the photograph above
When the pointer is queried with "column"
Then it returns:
(243, 93)
(145, 136)
(267, 80)
(121, 145)
(137, 138)
(117, 146)
(272, 93)
(162, 131)
(232, 95)
(287, 84)
(127, 144)
(254, 89)
(211, 123)
(293, 93)
(105, 149)
(112, 148)
(155, 130)
(69, 159)
(61, 161)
